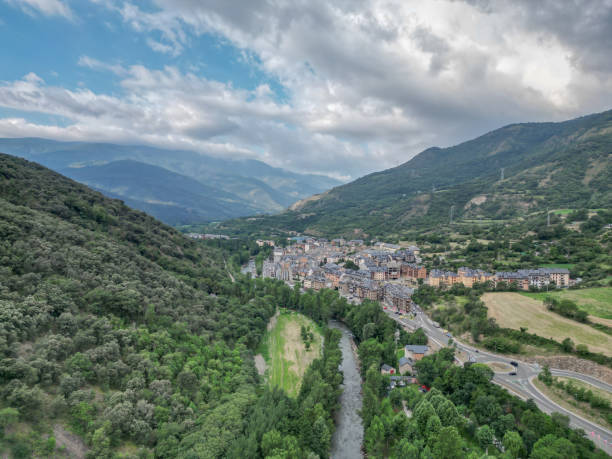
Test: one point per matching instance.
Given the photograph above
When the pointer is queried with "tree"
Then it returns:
(351, 265)
(449, 444)
(423, 411)
(513, 443)
(551, 447)
(485, 436)
(406, 449)
(568, 345)
(8, 417)
(375, 438)
(582, 349)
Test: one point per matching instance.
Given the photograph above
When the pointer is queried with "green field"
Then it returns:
(513, 310)
(596, 301)
(285, 351)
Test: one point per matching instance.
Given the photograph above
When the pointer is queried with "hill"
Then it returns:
(167, 196)
(263, 188)
(545, 165)
(121, 337)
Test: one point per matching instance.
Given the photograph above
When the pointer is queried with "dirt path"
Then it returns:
(260, 364)
(228, 271)
(272, 321)
(75, 447)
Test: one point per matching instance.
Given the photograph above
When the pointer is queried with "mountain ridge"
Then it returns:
(543, 165)
(263, 188)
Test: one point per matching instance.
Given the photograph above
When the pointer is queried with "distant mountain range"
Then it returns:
(505, 174)
(176, 186)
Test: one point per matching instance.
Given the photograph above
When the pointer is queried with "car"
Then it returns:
(476, 350)
(512, 373)
(384, 307)
(514, 364)
(449, 335)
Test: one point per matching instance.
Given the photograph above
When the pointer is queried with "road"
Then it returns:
(520, 384)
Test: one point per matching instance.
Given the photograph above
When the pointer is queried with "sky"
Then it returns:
(341, 88)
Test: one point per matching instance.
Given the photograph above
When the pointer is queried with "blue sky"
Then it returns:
(342, 88)
(52, 46)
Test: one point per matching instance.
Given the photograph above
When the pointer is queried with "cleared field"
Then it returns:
(596, 301)
(285, 351)
(513, 310)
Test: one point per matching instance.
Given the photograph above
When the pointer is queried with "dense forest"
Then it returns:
(122, 331)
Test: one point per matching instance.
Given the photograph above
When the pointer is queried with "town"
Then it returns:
(384, 272)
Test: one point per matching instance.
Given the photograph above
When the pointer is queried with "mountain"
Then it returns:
(120, 337)
(252, 186)
(544, 165)
(168, 196)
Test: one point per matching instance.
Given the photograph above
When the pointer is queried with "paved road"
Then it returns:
(520, 384)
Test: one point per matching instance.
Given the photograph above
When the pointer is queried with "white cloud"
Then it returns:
(46, 7)
(368, 83)
(95, 64)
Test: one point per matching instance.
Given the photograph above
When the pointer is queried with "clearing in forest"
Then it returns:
(287, 353)
(513, 310)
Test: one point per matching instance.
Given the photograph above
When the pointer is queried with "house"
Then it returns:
(387, 369)
(560, 276)
(368, 289)
(415, 351)
(393, 270)
(398, 296)
(413, 271)
(520, 279)
(379, 273)
(438, 278)
(405, 365)
(469, 277)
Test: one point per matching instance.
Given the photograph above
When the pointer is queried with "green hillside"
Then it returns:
(545, 165)
(173, 198)
(119, 337)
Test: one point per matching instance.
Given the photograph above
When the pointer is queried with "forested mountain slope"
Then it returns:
(261, 187)
(117, 329)
(170, 197)
(545, 165)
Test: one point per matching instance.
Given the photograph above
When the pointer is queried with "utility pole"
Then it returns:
(502, 174)
(451, 214)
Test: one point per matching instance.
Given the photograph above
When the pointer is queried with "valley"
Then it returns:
(305, 230)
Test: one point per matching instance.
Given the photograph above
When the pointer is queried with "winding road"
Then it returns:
(520, 384)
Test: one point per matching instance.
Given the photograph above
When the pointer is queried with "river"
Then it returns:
(348, 437)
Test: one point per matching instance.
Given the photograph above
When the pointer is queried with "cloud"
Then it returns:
(366, 84)
(95, 64)
(45, 7)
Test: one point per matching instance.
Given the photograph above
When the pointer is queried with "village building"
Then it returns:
(405, 365)
(399, 296)
(415, 351)
(413, 271)
(387, 369)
